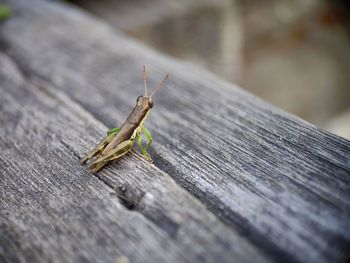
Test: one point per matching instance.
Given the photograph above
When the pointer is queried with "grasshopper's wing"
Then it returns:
(99, 148)
(116, 153)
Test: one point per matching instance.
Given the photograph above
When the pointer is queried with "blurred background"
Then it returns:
(294, 54)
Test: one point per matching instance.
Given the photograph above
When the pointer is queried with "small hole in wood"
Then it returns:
(129, 196)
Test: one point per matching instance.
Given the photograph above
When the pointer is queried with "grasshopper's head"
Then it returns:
(144, 102)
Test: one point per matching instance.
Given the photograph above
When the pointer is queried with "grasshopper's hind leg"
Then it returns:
(116, 153)
(100, 147)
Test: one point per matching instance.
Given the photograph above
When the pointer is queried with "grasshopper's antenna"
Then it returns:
(160, 85)
(145, 79)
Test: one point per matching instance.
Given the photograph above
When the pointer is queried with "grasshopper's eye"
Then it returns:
(150, 104)
(138, 98)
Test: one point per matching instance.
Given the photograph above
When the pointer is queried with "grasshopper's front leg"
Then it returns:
(100, 147)
(116, 153)
(142, 148)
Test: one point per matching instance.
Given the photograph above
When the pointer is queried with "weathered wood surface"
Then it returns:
(278, 182)
(53, 209)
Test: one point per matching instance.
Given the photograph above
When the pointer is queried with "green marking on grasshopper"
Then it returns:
(113, 131)
(120, 141)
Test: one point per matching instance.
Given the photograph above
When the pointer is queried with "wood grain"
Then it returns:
(280, 182)
(54, 210)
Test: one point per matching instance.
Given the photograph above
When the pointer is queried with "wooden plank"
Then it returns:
(282, 183)
(52, 209)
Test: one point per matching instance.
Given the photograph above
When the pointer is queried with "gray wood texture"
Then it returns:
(52, 209)
(234, 180)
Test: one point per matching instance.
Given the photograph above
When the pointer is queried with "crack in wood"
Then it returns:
(135, 199)
(69, 148)
(129, 196)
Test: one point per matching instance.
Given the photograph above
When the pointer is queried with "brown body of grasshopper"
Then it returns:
(118, 142)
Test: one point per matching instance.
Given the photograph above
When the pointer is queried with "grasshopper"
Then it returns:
(120, 141)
